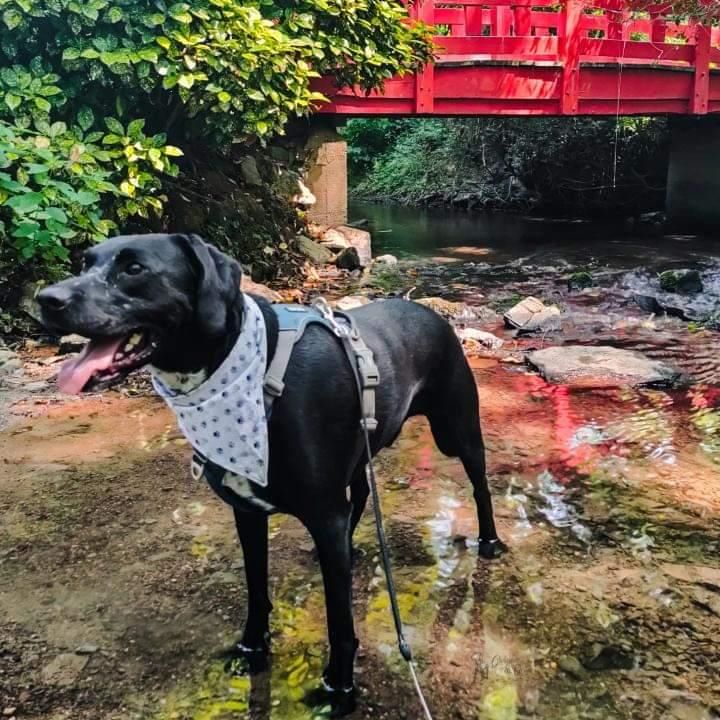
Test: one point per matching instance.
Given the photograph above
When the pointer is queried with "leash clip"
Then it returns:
(323, 307)
(197, 465)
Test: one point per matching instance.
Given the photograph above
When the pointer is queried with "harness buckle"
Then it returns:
(273, 386)
(367, 367)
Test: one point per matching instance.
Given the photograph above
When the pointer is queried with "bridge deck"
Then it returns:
(526, 57)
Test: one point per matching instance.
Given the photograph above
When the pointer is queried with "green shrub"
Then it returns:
(80, 80)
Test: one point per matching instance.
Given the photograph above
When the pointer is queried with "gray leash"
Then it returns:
(343, 333)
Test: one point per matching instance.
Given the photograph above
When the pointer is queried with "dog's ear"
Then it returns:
(218, 282)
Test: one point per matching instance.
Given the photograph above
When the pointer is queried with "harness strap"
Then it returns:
(274, 384)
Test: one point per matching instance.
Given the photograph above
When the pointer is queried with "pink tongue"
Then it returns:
(96, 355)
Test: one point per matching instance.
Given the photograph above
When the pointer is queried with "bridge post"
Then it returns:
(693, 185)
(326, 174)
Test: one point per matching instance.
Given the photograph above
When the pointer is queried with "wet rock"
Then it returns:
(28, 301)
(572, 666)
(651, 304)
(361, 240)
(650, 223)
(9, 362)
(580, 281)
(247, 285)
(250, 172)
(609, 657)
(65, 669)
(352, 301)
(493, 342)
(697, 574)
(686, 282)
(86, 649)
(532, 315)
(9, 711)
(71, 344)
(387, 260)
(349, 259)
(601, 366)
(707, 600)
(313, 251)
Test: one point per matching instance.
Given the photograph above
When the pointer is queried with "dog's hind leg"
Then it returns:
(331, 532)
(453, 412)
(359, 492)
(254, 647)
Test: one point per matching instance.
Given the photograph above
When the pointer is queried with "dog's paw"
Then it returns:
(242, 660)
(327, 702)
(491, 549)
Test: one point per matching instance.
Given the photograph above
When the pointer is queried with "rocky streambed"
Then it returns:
(120, 576)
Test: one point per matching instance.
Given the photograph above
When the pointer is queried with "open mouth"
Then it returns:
(105, 361)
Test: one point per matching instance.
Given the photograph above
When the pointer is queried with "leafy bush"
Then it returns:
(563, 165)
(81, 79)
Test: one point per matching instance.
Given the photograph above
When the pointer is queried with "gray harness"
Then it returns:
(292, 323)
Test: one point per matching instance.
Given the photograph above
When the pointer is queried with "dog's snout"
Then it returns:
(55, 298)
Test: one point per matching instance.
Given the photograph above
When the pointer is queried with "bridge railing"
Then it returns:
(577, 34)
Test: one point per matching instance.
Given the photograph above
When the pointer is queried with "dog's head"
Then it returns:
(142, 299)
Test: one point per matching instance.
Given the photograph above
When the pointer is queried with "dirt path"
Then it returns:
(120, 576)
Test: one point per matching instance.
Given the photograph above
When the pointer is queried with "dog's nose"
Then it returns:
(54, 298)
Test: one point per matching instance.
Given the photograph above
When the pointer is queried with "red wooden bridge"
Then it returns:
(530, 57)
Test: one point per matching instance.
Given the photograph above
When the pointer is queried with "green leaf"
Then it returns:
(26, 203)
(135, 129)
(149, 54)
(57, 214)
(26, 229)
(114, 126)
(42, 104)
(50, 90)
(85, 118)
(12, 101)
(172, 151)
(186, 81)
(170, 81)
(112, 139)
(71, 53)
(37, 168)
(86, 198)
(163, 42)
(224, 97)
(12, 18)
(115, 14)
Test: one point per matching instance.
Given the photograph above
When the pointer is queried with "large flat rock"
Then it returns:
(600, 366)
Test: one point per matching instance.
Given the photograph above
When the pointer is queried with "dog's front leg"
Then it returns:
(331, 534)
(254, 646)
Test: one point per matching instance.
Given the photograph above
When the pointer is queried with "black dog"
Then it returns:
(174, 301)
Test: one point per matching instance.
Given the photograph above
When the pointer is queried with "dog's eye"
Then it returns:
(134, 269)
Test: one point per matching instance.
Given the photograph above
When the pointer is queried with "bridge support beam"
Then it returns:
(326, 174)
(693, 187)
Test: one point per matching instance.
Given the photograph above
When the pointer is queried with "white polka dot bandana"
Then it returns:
(224, 418)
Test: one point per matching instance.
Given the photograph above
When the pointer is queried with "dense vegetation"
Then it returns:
(100, 98)
(558, 165)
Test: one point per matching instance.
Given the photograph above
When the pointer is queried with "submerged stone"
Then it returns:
(601, 366)
(687, 282)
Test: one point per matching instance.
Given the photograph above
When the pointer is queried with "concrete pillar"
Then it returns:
(326, 176)
(693, 187)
